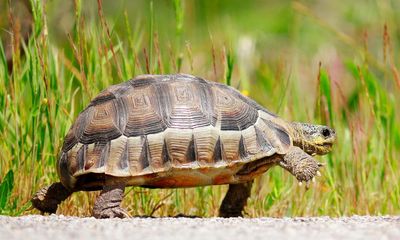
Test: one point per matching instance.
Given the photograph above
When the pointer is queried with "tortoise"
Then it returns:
(173, 131)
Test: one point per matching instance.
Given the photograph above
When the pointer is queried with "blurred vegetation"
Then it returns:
(328, 62)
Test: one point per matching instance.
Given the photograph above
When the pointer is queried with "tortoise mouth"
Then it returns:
(323, 148)
(327, 145)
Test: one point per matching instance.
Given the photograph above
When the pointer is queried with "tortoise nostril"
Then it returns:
(326, 132)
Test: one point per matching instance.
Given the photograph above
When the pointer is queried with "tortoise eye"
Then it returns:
(325, 132)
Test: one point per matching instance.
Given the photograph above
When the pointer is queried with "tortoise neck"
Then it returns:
(298, 134)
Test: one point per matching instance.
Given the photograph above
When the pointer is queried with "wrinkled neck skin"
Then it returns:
(299, 138)
(311, 138)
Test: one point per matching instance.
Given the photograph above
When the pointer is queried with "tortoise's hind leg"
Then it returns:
(235, 200)
(108, 204)
(48, 198)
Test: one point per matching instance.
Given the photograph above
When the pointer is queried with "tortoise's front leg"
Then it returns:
(47, 199)
(303, 166)
(235, 200)
(108, 204)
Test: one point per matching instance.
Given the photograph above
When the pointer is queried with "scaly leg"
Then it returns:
(108, 204)
(300, 164)
(48, 198)
(235, 200)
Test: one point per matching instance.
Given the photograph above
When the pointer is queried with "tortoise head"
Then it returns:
(313, 139)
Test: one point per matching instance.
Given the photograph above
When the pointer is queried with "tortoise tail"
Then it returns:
(48, 198)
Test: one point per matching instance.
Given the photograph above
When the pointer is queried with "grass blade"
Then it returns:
(6, 188)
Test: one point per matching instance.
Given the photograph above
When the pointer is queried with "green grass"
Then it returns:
(304, 62)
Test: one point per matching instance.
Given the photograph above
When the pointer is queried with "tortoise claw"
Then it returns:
(308, 184)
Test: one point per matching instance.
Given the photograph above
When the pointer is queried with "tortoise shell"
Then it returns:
(169, 131)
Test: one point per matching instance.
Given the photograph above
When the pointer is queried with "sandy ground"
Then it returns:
(60, 227)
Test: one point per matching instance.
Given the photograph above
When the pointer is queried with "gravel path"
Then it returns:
(60, 227)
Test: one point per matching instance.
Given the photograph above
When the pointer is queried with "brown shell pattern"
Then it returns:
(158, 123)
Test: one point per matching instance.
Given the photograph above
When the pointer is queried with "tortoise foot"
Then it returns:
(230, 214)
(108, 204)
(303, 166)
(116, 212)
(46, 200)
(235, 200)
